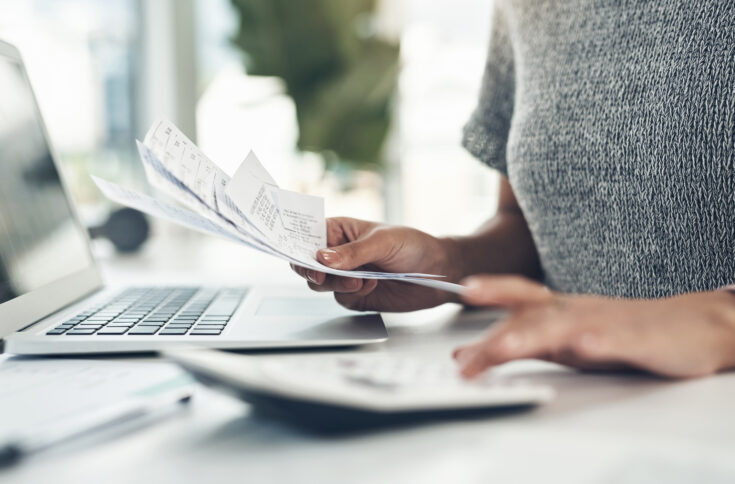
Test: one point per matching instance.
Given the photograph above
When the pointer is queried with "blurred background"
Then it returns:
(359, 101)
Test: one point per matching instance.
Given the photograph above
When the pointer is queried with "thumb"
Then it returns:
(504, 291)
(354, 254)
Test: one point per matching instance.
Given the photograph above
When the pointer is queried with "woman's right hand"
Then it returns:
(358, 244)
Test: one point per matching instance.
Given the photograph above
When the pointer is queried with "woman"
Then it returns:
(613, 125)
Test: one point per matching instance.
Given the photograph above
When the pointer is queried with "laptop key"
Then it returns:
(144, 330)
(56, 331)
(174, 331)
(79, 332)
(112, 331)
(206, 332)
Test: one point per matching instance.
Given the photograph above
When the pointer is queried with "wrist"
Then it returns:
(718, 311)
(453, 264)
(450, 265)
(727, 318)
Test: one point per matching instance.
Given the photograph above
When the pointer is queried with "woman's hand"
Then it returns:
(357, 244)
(685, 336)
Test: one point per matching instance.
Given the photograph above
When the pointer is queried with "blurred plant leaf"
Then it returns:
(340, 77)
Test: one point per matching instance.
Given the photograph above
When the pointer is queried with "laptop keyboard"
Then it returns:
(165, 311)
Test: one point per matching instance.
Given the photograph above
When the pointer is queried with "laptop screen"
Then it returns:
(40, 240)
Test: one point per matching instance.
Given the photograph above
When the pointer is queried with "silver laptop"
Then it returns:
(52, 298)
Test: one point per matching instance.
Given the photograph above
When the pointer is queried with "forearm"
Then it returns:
(716, 310)
(503, 245)
(692, 333)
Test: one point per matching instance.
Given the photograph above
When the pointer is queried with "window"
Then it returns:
(431, 182)
(81, 58)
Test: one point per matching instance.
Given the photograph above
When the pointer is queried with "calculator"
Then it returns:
(334, 392)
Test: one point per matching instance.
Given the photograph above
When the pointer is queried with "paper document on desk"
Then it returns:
(249, 208)
(42, 395)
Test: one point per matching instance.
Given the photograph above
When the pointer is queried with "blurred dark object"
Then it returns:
(340, 75)
(126, 228)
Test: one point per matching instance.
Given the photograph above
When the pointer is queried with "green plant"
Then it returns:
(340, 76)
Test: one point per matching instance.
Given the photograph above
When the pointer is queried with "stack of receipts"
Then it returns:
(249, 208)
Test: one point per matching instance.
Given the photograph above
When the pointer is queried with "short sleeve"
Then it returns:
(486, 133)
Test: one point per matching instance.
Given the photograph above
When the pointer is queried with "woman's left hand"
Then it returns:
(679, 337)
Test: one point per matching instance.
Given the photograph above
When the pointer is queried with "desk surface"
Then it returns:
(601, 428)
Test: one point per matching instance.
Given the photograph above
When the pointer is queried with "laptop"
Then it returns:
(53, 300)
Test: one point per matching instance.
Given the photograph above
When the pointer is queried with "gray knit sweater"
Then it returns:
(614, 121)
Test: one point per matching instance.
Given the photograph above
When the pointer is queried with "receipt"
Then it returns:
(161, 209)
(164, 180)
(190, 169)
(294, 222)
(249, 208)
(302, 217)
(255, 169)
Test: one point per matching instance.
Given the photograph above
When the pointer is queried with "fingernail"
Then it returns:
(311, 275)
(332, 257)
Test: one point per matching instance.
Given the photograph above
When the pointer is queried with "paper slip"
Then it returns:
(295, 222)
(164, 210)
(250, 208)
(175, 165)
(46, 396)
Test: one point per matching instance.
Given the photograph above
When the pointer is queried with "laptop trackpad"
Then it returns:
(295, 318)
(300, 307)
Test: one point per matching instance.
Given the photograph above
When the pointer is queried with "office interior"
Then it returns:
(104, 70)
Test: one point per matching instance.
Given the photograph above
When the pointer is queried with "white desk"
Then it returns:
(617, 429)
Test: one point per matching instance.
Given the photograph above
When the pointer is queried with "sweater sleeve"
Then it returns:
(486, 133)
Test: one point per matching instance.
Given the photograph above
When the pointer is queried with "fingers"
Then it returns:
(504, 291)
(341, 230)
(659, 336)
(338, 284)
(310, 275)
(347, 253)
(527, 334)
(351, 255)
(530, 332)
(571, 338)
(321, 282)
(357, 300)
(586, 333)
